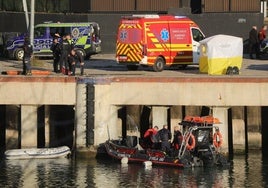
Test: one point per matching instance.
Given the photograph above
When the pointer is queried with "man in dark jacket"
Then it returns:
(177, 140)
(55, 48)
(73, 58)
(65, 48)
(165, 136)
(28, 51)
(254, 43)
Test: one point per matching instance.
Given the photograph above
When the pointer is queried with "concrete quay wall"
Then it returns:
(21, 90)
(162, 93)
(193, 91)
(97, 101)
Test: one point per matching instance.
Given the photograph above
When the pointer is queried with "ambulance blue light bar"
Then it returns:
(179, 17)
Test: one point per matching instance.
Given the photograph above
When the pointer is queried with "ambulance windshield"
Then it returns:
(197, 35)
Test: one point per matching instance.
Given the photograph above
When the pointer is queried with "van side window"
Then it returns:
(39, 32)
(66, 30)
(197, 35)
(54, 30)
(95, 32)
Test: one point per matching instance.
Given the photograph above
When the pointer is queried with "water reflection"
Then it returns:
(246, 171)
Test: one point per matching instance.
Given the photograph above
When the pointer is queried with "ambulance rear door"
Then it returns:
(129, 48)
(181, 43)
(197, 36)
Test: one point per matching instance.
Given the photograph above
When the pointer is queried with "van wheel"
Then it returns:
(159, 64)
(132, 67)
(81, 51)
(19, 53)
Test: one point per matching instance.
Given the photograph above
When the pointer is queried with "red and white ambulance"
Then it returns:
(157, 41)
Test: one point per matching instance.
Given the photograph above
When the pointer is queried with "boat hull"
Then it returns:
(38, 153)
(157, 157)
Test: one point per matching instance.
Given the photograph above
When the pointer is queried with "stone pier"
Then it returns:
(100, 103)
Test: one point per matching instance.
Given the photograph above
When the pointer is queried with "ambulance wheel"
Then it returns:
(159, 64)
(19, 53)
(132, 67)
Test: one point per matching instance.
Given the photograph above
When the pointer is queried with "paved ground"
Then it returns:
(105, 64)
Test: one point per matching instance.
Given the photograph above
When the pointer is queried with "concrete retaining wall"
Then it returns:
(98, 107)
(37, 90)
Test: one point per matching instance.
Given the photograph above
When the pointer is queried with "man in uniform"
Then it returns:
(28, 52)
(55, 48)
(73, 58)
(65, 49)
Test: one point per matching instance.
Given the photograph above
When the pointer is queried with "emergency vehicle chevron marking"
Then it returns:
(157, 44)
(133, 56)
(130, 51)
(124, 48)
(155, 40)
(150, 34)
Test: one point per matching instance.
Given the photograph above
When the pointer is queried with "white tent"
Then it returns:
(219, 52)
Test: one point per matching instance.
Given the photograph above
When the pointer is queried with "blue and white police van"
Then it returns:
(85, 36)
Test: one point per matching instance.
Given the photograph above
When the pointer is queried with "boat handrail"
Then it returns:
(185, 141)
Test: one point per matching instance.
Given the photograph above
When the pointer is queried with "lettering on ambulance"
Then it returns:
(181, 44)
(129, 48)
(158, 40)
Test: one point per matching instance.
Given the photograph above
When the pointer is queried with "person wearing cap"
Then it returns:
(55, 48)
(27, 55)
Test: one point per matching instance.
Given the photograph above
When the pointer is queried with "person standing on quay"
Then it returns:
(254, 43)
(55, 48)
(73, 58)
(262, 34)
(65, 48)
(27, 55)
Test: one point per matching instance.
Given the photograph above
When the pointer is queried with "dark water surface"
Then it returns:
(245, 171)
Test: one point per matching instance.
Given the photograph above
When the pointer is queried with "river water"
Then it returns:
(246, 171)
